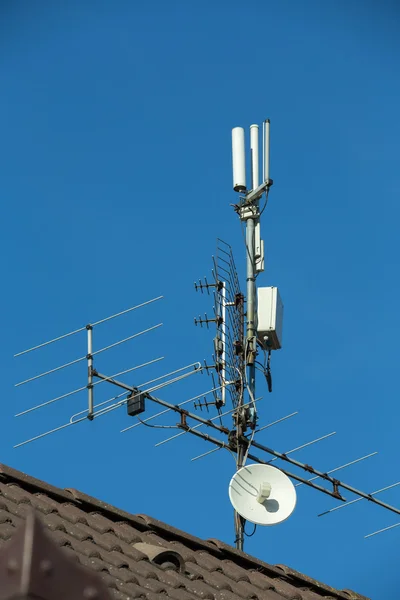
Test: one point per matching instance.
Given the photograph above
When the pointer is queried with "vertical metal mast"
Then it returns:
(252, 219)
(250, 353)
(249, 212)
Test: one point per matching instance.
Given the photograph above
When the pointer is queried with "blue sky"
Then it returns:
(115, 123)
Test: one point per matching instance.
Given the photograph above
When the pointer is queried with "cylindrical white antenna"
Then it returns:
(238, 160)
(254, 148)
(255, 180)
(266, 150)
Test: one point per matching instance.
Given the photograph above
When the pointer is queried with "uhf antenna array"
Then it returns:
(245, 327)
(228, 318)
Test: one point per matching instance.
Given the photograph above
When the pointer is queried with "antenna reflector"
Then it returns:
(262, 494)
(238, 160)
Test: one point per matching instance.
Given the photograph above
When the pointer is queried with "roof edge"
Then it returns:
(112, 511)
(34, 484)
(83, 501)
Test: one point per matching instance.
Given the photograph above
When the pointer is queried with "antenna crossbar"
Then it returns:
(245, 443)
(256, 431)
(167, 410)
(226, 446)
(218, 416)
(184, 413)
(335, 482)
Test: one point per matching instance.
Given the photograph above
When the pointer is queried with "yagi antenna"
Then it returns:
(247, 324)
(89, 357)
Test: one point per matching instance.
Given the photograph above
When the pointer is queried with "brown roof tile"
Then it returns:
(180, 594)
(172, 579)
(102, 538)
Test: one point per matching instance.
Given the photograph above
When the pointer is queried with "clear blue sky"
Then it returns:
(115, 124)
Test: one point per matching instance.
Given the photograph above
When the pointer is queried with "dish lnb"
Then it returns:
(238, 160)
(262, 494)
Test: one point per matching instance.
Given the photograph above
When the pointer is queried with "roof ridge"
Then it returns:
(87, 502)
(32, 482)
(80, 499)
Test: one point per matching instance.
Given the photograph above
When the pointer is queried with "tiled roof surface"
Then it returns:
(125, 550)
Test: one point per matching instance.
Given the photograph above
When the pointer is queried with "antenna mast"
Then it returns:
(260, 493)
(249, 213)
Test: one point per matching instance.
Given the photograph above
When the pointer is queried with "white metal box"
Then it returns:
(270, 317)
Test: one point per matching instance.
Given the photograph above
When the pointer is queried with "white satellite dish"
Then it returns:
(262, 494)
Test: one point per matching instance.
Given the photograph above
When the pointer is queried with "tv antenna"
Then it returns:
(247, 326)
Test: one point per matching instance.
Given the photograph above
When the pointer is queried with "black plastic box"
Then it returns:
(135, 404)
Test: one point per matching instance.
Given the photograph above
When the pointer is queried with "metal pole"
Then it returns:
(250, 214)
(251, 372)
(251, 311)
(223, 340)
(252, 226)
(90, 370)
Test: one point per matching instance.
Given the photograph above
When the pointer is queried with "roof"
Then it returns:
(140, 557)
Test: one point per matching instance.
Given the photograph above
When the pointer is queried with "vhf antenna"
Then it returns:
(245, 326)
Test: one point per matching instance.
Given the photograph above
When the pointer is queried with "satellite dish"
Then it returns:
(262, 494)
